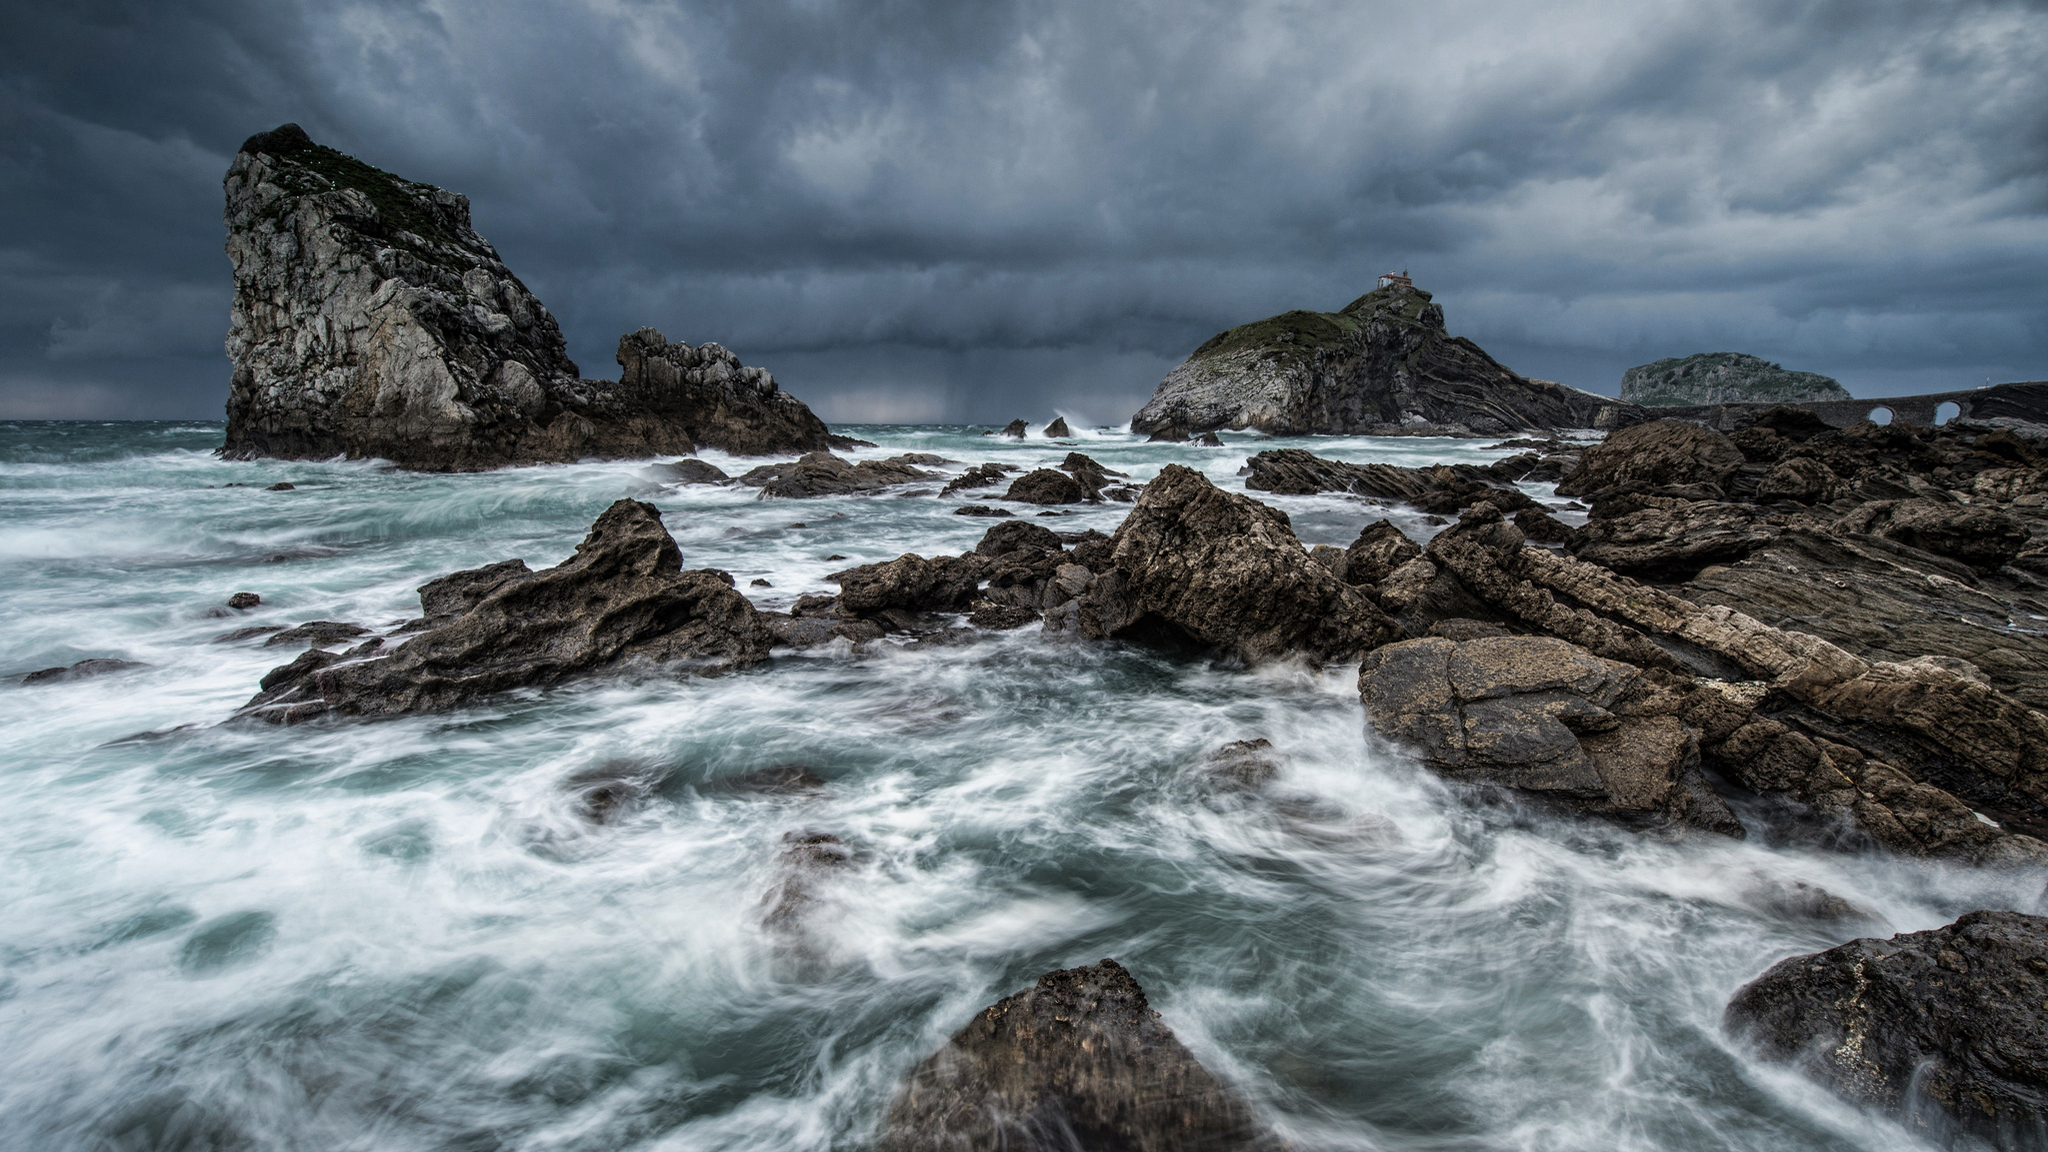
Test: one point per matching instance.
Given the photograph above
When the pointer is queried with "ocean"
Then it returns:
(410, 935)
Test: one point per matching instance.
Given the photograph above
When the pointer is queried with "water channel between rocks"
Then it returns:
(409, 934)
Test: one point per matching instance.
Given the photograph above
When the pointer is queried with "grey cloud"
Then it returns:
(973, 211)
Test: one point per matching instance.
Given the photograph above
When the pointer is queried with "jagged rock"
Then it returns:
(1046, 486)
(713, 398)
(1541, 526)
(83, 670)
(1090, 475)
(1438, 488)
(1058, 428)
(243, 601)
(1947, 745)
(1015, 428)
(811, 631)
(1659, 453)
(1021, 535)
(980, 476)
(370, 319)
(1078, 1061)
(318, 633)
(1723, 378)
(1802, 481)
(1547, 718)
(1943, 1030)
(622, 599)
(1379, 549)
(1382, 365)
(823, 474)
(687, 472)
(1195, 563)
(1207, 440)
(1983, 538)
(1655, 537)
(910, 582)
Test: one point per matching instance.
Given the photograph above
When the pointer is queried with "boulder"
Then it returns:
(243, 601)
(83, 670)
(1661, 452)
(1379, 549)
(1078, 1061)
(1662, 538)
(1546, 718)
(821, 473)
(1382, 365)
(1058, 428)
(1442, 488)
(1945, 1031)
(371, 320)
(1022, 534)
(980, 476)
(909, 582)
(1194, 563)
(622, 600)
(1046, 486)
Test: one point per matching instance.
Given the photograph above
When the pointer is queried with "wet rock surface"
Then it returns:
(1945, 1030)
(1545, 718)
(1080, 1060)
(83, 670)
(821, 473)
(371, 320)
(623, 600)
(1660, 453)
(1195, 564)
(1046, 486)
(1441, 488)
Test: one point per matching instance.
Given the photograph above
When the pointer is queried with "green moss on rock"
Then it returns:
(1723, 378)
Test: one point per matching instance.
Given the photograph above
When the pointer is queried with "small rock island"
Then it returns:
(1724, 378)
(371, 320)
(1383, 365)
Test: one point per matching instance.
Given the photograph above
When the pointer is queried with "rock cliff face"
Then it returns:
(370, 319)
(1723, 378)
(1384, 365)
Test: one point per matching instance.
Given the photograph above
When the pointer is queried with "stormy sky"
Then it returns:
(961, 210)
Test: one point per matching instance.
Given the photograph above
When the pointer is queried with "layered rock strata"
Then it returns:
(1944, 1030)
(622, 601)
(371, 320)
(1080, 1060)
(1383, 365)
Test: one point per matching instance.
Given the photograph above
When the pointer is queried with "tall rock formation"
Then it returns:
(1384, 365)
(370, 319)
(1724, 378)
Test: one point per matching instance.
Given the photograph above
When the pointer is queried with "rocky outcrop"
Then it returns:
(980, 476)
(821, 473)
(1723, 378)
(1439, 488)
(1659, 454)
(1383, 365)
(370, 319)
(623, 600)
(1046, 486)
(1943, 1030)
(1058, 428)
(1078, 1061)
(1547, 719)
(714, 399)
(1906, 755)
(1195, 565)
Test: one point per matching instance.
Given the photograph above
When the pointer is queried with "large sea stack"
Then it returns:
(1383, 365)
(370, 319)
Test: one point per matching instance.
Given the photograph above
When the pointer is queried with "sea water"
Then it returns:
(410, 934)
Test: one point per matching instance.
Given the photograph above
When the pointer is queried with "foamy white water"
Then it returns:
(403, 935)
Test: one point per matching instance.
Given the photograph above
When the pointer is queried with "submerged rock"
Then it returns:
(1546, 718)
(1193, 563)
(1945, 1030)
(687, 472)
(821, 473)
(370, 319)
(1078, 1061)
(622, 599)
(1383, 365)
(83, 670)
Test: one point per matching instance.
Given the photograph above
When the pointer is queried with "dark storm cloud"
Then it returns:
(972, 211)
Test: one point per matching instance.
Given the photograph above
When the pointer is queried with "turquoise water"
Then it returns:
(405, 935)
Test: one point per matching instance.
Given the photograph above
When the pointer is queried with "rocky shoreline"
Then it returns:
(1649, 668)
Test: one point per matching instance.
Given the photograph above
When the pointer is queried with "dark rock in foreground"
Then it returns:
(1080, 1061)
(1384, 365)
(1547, 718)
(1945, 1030)
(621, 600)
(1193, 563)
(370, 319)
(1657, 454)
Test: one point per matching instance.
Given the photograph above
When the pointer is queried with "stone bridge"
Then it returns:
(2027, 401)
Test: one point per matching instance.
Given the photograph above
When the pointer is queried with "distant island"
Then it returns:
(1724, 378)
